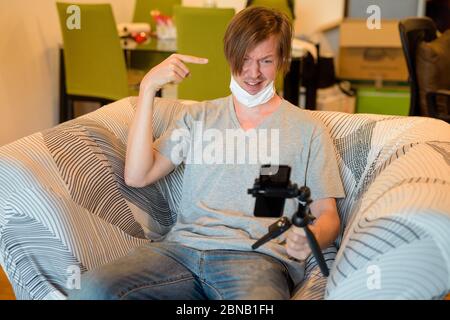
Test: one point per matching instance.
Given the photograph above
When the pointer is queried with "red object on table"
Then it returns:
(140, 37)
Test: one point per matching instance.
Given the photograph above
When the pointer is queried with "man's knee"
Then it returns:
(95, 286)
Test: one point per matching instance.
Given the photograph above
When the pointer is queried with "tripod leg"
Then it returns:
(317, 252)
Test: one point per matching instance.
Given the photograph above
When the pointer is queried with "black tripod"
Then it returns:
(302, 218)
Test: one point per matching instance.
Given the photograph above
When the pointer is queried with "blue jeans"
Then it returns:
(172, 271)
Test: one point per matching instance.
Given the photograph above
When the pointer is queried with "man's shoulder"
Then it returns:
(301, 118)
(207, 107)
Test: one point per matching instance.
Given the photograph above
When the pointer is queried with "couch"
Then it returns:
(64, 206)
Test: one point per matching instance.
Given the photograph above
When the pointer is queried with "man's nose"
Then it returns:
(253, 70)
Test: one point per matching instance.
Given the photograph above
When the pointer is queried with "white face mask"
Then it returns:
(248, 99)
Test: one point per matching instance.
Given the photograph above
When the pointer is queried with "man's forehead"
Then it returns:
(264, 49)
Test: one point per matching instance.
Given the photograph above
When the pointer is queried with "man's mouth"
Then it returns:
(253, 86)
(252, 83)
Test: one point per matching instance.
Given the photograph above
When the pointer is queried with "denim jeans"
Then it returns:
(172, 271)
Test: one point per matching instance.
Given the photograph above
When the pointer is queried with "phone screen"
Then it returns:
(272, 177)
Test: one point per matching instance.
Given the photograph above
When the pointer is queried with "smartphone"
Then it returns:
(272, 177)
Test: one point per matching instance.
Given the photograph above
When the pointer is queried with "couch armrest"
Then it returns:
(397, 245)
(37, 218)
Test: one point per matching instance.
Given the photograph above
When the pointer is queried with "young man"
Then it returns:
(207, 254)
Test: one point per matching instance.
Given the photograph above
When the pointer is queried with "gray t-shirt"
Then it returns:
(222, 162)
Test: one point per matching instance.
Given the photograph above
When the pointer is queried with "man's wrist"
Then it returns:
(148, 90)
(315, 229)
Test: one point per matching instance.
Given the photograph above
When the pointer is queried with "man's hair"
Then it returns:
(252, 26)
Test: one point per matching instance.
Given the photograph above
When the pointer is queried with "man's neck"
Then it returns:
(251, 117)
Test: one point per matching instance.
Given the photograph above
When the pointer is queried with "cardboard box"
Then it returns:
(366, 54)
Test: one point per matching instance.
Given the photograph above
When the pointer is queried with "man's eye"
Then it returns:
(267, 61)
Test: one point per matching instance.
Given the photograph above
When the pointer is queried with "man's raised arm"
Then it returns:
(144, 166)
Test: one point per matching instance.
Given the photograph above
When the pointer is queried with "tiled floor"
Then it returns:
(6, 292)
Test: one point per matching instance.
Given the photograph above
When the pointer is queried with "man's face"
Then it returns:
(260, 66)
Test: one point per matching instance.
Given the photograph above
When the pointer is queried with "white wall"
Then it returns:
(29, 62)
(313, 14)
(29, 67)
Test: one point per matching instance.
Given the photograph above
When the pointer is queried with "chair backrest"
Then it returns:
(142, 9)
(200, 32)
(93, 59)
(412, 32)
(285, 6)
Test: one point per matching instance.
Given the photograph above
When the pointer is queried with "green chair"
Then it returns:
(142, 9)
(146, 60)
(285, 6)
(200, 32)
(94, 63)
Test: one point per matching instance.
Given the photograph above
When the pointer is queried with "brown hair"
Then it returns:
(250, 27)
